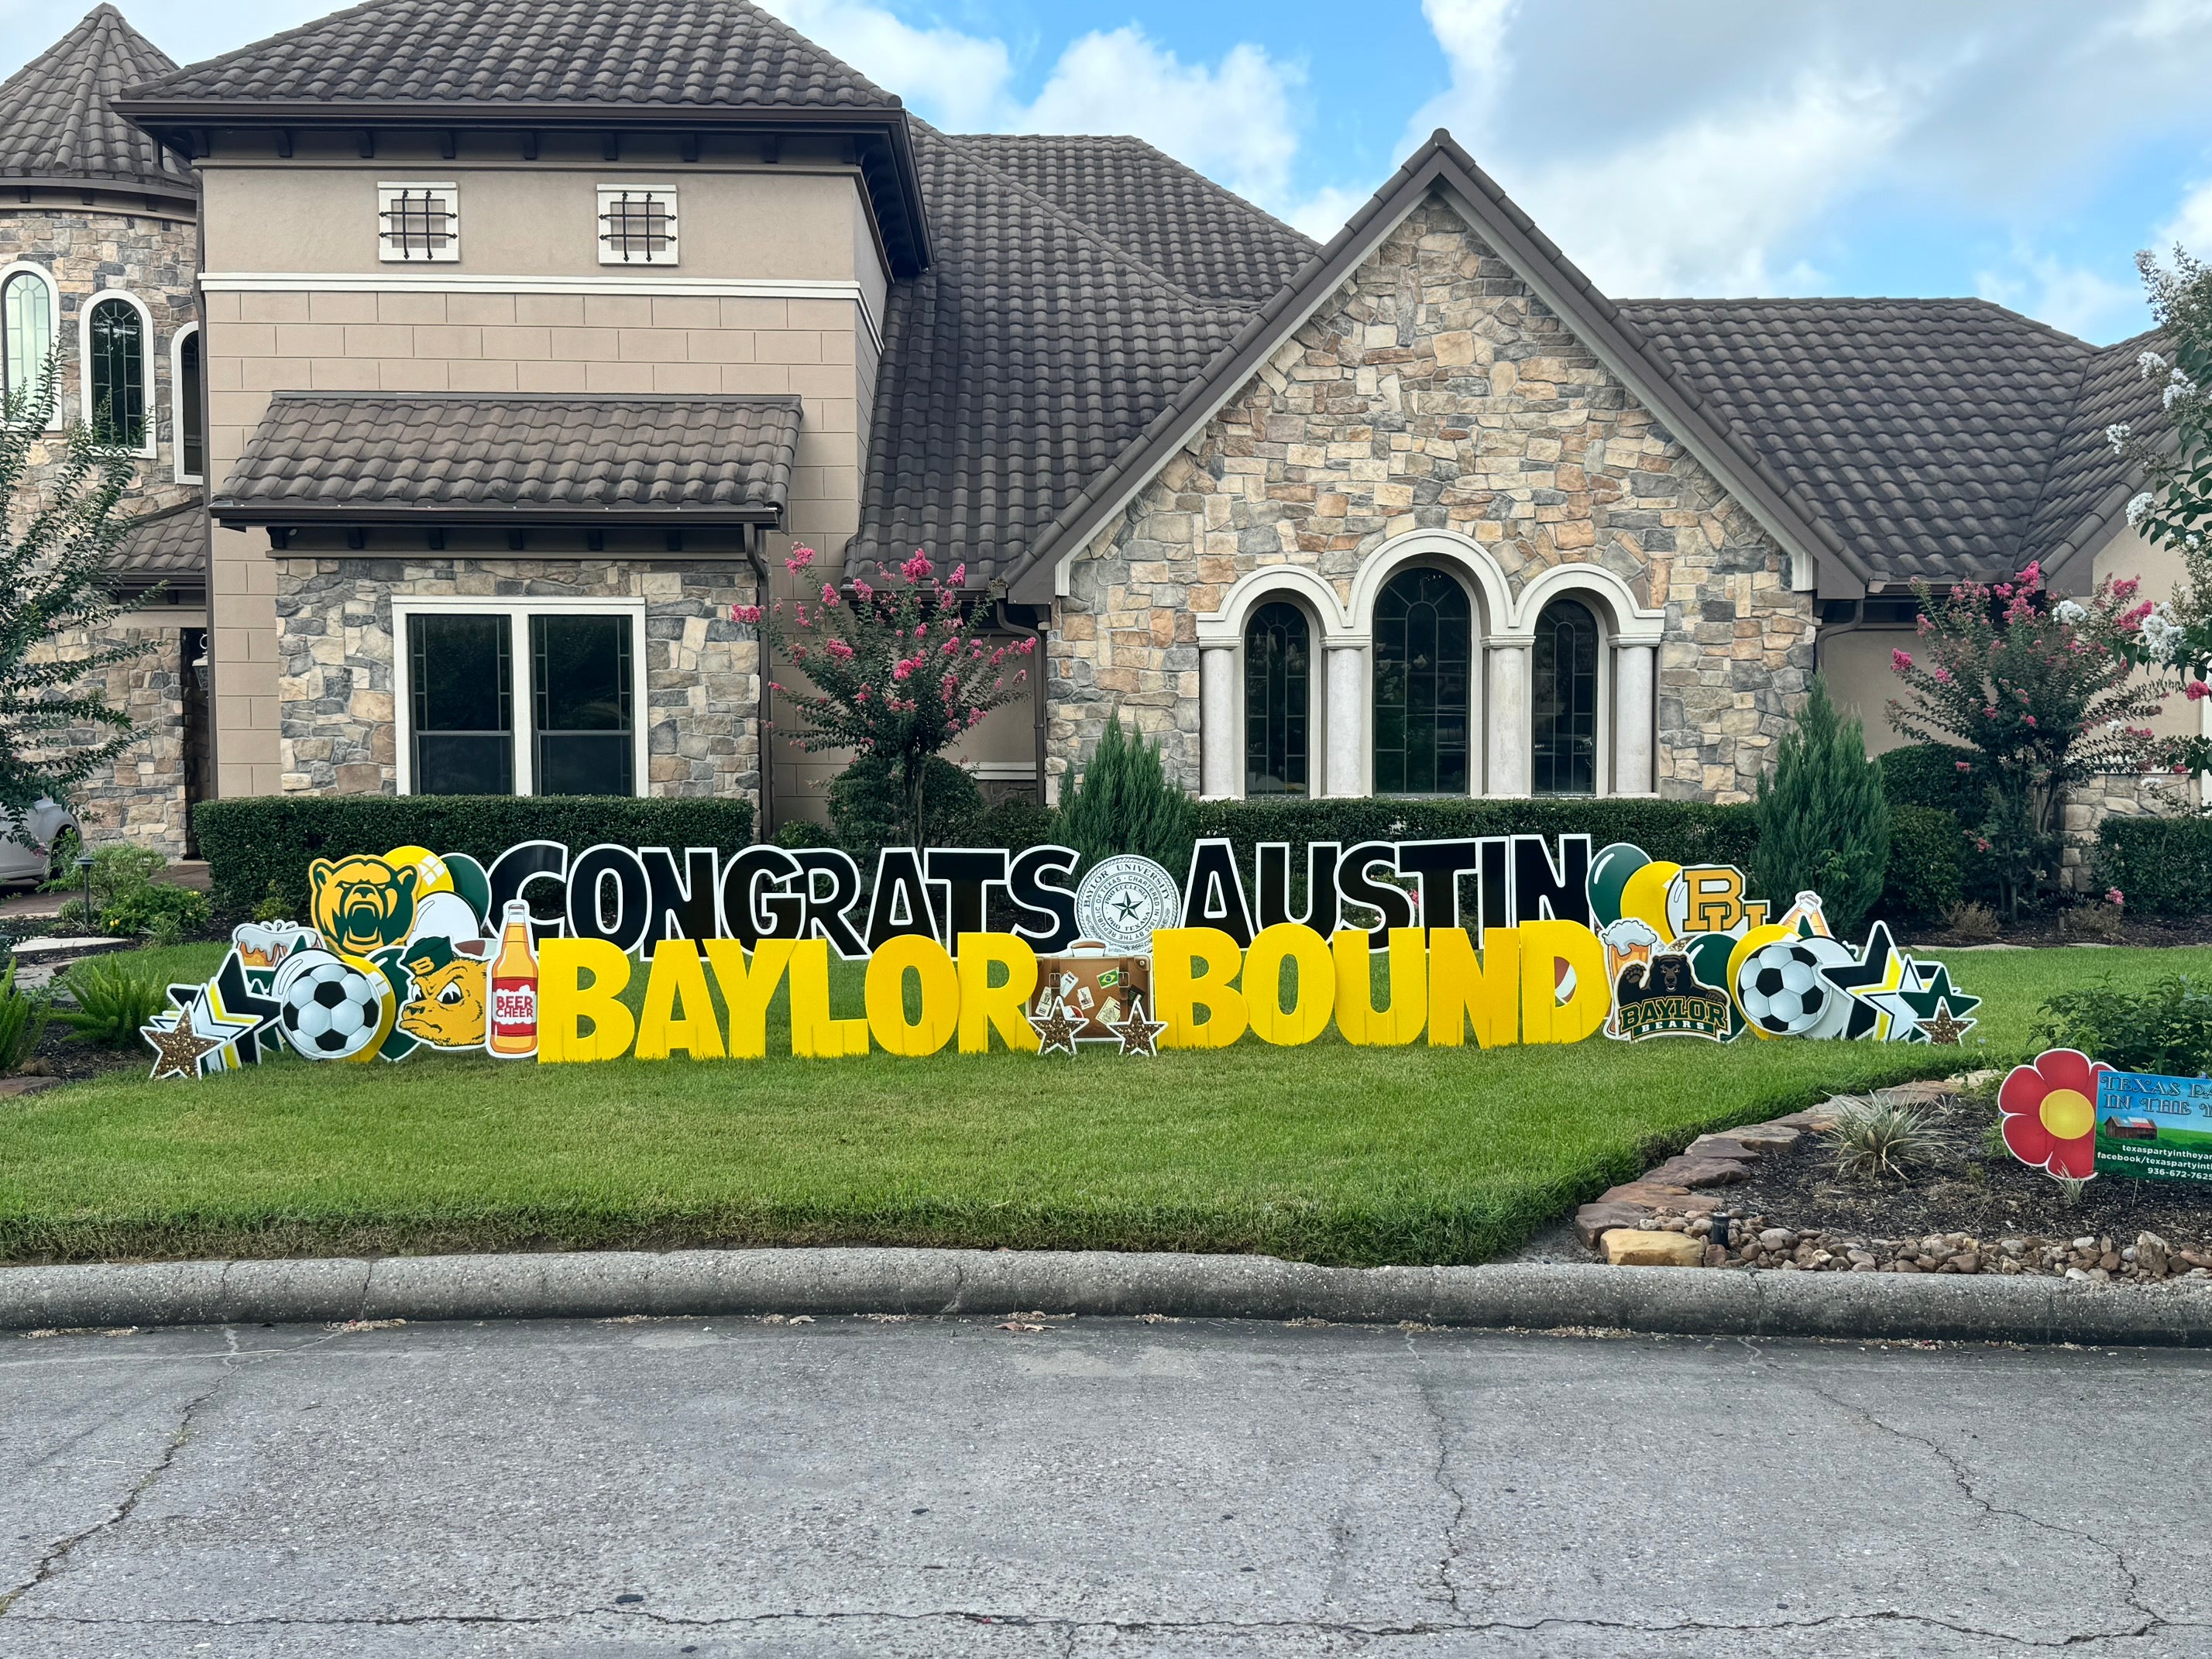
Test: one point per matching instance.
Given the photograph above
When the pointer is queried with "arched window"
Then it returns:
(27, 318)
(191, 458)
(1423, 646)
(115, 371)
(1277, 670)
(1564, 744)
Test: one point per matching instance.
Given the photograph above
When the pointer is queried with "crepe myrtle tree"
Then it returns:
(57, 542)
(2174, 508)
(898, 671)
(2043, 692)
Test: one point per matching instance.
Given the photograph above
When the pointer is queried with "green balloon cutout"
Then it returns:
(1709, 960)
(1609, 877)
(471, 883)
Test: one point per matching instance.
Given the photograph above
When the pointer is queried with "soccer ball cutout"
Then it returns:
(330, 1008)
(1782, 993)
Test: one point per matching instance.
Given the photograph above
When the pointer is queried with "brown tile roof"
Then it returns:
(695, 53)
(58, 120)
(1940, 439)
(1054, 325)
(166, 546)
(457, 456)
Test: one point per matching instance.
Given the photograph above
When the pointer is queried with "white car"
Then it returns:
(21, 863)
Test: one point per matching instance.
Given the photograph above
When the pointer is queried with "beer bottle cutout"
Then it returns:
(511, 1033)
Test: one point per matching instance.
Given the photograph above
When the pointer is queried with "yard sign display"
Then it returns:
(412, 952)
(2155, 1127)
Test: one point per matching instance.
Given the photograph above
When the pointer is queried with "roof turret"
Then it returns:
(58, 120)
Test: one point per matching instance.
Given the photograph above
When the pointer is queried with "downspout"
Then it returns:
(754, 535)
(1035, 631)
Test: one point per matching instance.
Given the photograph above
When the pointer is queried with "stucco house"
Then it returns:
(533, 334)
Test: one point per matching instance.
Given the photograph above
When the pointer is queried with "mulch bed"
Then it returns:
(1773, 1191)
(61, 1054)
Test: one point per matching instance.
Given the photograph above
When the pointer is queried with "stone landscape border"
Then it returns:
(605, 1285)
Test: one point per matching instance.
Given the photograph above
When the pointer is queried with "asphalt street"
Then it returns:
(948, 1487)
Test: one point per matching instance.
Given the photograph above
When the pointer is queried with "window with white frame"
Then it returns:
(524, 700)
(184, 386)
(417, 221)
(637, 224)
(116, 346)
(30, 322)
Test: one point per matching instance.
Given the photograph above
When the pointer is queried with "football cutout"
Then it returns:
(328, 1008)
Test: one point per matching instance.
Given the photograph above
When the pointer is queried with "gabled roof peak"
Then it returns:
(59, 122)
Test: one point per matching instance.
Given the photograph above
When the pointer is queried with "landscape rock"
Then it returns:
(1592, 1220)
(1632, 1247)
(1694, 1172)
(1659, 1195)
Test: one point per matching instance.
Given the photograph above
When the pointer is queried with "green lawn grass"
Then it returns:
(1324, 1153)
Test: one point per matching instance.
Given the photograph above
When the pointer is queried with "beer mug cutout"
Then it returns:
(511, 1033)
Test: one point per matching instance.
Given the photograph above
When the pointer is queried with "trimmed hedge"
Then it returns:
(1928, 774)
(252, 842)
(2162, 865)
(1686, 831)
(1927, 856)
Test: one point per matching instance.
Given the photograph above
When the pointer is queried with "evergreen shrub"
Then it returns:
(1125, 803)
(1823, 818)
(259, 846)
(2162, 865)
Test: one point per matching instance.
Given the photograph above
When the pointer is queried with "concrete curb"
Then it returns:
(601, 1284)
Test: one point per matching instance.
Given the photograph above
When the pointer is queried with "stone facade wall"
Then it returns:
(141, 797)
(1435, 391)
(2114, 795)
(153, 258)
(335, 645)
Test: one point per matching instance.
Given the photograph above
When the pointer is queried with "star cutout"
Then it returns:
(1139, 1035)
(1944, 1030)
(1874, 983)
(1930, 986)
(178, 1047)
(1056, 1028)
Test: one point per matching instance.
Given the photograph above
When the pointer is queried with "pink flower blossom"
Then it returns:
(744, 613)
(2114, 897)
(2125, 589)
(974, 716)
(799, 559)
(1942, 676)
(2133, 619)
(921, 630)
(860, 695)
(2029, 718)
(918, 568)
(901, 669)
(839, 650)
(2197, 691)
(959, 576)
(1901, 661)
(2033, 576)
(863, 590)
(828, 594)
(799, 653)
(1027, 645)
(1963, 766)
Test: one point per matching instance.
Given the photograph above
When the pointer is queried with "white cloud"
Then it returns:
(2091, 304)
(960, 80)
(2191, 224)
(1323, 214)
(1232, 121)
(1472, 34)
(1715, 205)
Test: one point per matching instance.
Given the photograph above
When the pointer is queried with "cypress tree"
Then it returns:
(1125, 803)
(1823, 818)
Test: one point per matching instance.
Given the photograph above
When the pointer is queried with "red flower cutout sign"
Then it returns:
(2050, 1113)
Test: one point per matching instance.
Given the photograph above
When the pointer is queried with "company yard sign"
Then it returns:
(1505, 939)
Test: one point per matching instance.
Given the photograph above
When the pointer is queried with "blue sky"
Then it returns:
(2019, 150)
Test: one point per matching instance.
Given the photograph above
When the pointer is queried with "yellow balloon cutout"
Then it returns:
(431, 875)
(1307, 1017)
(1755, 940)
(1644, 898)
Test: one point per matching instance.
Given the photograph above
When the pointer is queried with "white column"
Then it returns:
(1218, 746)
(1348, 719)
(1633, 666)
(1509, 719)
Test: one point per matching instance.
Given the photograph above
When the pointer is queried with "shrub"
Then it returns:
(869, 807)
(114, 998)
(2163, 864)
(1928, 775)
(1972, 920)
(1125, 803)
(1823, 819)
(23, 1016)
(799, 834)
(1017, 823)
(1924, 881)
(255, 843)
(1686, 831)
(2164, 1028)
